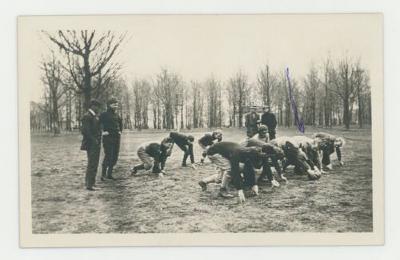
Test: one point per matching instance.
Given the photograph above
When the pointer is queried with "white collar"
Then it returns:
(92, 112)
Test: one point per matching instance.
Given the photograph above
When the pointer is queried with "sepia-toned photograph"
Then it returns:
(201, 129)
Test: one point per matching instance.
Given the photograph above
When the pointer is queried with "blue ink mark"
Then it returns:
(297, 120)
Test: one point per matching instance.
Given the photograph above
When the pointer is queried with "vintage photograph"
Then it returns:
(241, 125)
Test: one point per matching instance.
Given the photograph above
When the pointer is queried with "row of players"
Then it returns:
(237, 163)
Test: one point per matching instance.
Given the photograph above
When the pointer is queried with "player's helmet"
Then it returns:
(191, 138)
(339, 142)
(217, 133)
(111, 101)
(262, 129)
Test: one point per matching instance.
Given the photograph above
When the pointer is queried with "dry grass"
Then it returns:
(341, 201)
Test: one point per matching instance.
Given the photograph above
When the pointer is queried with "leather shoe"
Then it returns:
(203, 185)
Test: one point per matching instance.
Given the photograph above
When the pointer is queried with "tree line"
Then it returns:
(82, 66)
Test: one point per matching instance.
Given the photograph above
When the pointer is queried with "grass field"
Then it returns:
(341, 201)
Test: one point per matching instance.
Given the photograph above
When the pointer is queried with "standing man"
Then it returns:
(91, 132)
(269, 120)
(111, 124)
(252, 121)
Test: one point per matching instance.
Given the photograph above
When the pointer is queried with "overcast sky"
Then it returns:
(220, 45)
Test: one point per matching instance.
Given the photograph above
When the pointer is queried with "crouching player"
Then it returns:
(250, 157)
(310, 148)
(207, 140)
(328, 144)
(262, 133)
(227, 156)
(295, 156)
(223, 167)
(153, 156)
(185, 143)
(274, 154)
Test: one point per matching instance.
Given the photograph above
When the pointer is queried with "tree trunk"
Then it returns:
(327, 107)
(240, 108)
(195, 112)
(145, 118)
(234, 116)
(220, 111)
(287, 115)
(56, 122)
(154, 117)
(346, 115)
(182, 125)
(69, 112)
(268, 88)
(87, 87)
(360, 108)
(158, 116)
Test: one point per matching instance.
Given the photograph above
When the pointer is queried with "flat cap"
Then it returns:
(112, 100)
(95, 102)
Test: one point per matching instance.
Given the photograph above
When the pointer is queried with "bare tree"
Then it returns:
(179, 100)
(89, 55)
(266, 81)
(327, 82)
(126, 110)
(214, 102)
(137, 95)
(197, 104)
(52, 79)
(181, 104)
(68, 108)
(167, 88)
(288, 105)
(39, 115)
(367, 106)
(311, 89)
(188, 111)
(345, 88)
(280, 97)
(141, 98)
(156, 105)
(104, 83)
(232, 97)
(360, 81)
(239, 92)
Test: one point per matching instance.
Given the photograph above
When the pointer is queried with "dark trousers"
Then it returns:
(326, 153)
(111, 146)
(93, 155)
(266, 172)
(326, 160)
(299, 162)
(271, 133)
(249, 175)
(188, 151)
(314, 159)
